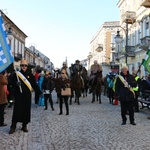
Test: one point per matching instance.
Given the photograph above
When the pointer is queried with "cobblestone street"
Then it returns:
(89, 126)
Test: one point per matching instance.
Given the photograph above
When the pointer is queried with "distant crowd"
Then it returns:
(16, 89)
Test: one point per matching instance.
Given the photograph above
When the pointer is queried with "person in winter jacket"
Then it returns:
(62, 82)
(47, 88)
(125, 94)
(22, 82)
(3, 96)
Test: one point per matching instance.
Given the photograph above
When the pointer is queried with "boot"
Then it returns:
(12, 128)
(24, 128)
(100, 101)
(45, 108)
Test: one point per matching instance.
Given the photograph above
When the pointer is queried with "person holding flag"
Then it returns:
(125, 94)
(23, 82)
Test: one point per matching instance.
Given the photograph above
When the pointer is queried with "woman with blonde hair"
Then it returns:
(62, 82)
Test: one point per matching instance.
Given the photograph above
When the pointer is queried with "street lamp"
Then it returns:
(9, 34)
(118, 40)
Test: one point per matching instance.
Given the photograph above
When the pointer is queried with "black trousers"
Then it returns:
(2, 107)
(136, 104)
(111, 95)
(65, 100)
(46, 97)
(127, 106)
(36, 98)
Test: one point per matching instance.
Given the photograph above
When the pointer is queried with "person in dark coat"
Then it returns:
(47, 88)
(62, 82)
(125, 94)
(22, 96)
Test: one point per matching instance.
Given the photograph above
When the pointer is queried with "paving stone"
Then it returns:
(89, 126)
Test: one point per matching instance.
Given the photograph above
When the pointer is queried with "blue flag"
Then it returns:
(6, 57)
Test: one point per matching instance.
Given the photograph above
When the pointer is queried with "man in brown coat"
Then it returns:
(3, 96)
(94, 69)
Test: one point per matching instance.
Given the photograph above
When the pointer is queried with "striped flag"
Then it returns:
(146, 61)
(6, 57)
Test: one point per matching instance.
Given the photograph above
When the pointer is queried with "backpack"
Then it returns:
(110, 84)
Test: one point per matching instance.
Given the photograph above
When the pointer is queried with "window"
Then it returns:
(146, 28)
(146, 25)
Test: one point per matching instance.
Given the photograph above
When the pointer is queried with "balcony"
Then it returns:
(130, 51)
(99, 48)
(18, 56)
(32, 64)
(145, 42)
(145, 3)
(129, 16)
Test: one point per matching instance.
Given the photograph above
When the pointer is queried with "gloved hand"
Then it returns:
(18, 83)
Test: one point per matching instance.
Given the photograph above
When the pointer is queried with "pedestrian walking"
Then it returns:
(47, 88)
(62, 82)
(110, 82)
(22, 96)
(3, 96)
(125, 94)
(40, 81)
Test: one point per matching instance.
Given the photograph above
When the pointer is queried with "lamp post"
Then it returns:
(118, 40)
(126, 40)
(9, 33)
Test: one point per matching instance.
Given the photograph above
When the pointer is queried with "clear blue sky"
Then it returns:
(60, 28)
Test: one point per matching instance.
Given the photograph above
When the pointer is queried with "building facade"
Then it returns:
(134, 29)
(20, 51)
(103, 46)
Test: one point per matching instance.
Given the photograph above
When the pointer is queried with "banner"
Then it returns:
(6, 57)
(146, 61)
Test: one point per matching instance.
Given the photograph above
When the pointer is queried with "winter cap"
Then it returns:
(24, 62)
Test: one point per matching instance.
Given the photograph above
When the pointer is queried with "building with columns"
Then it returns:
(102, 45)
(133, 28)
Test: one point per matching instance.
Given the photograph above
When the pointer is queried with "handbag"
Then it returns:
(66, 92)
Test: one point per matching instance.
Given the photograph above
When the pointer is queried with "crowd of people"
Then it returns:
(18, 86)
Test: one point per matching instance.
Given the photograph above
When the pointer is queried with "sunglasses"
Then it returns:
(22, 65)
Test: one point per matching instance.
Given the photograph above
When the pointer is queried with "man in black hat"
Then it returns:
(77, 67)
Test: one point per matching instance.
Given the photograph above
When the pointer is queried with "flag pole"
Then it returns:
(18, 80)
